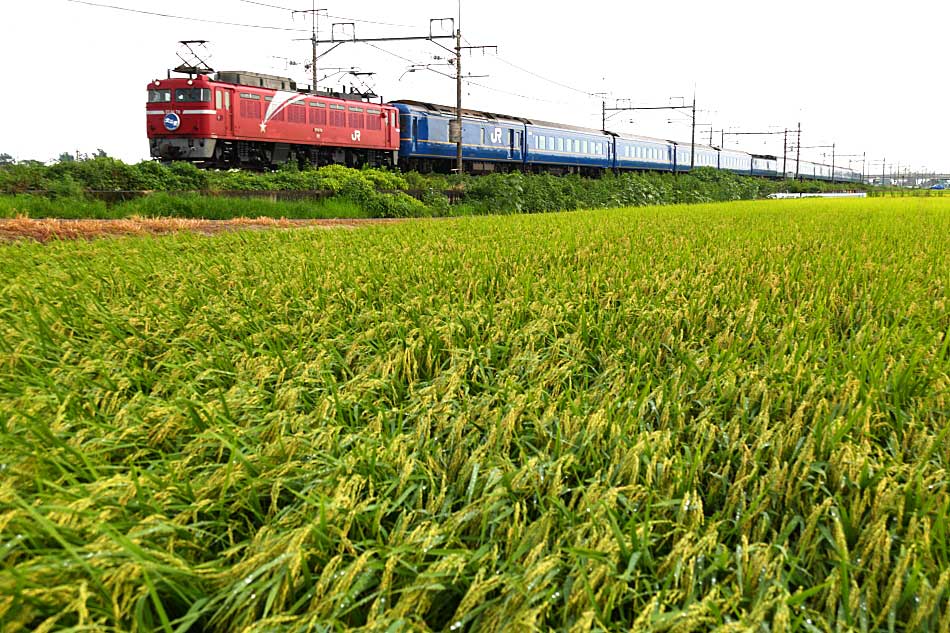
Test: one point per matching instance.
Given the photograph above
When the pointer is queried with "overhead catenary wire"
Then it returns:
(548, 80)
(188, 19)
(335, 17)
(467, 81)
(299, 30)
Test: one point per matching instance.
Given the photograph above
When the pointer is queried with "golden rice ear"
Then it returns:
(725, 417)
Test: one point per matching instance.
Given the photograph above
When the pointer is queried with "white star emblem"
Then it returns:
(263, 127)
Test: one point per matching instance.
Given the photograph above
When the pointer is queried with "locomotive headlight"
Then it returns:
(158, 83)
(191, 82)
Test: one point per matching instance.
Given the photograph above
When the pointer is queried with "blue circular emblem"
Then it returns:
(172, 121)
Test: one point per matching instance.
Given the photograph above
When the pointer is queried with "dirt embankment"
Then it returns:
(48, 230)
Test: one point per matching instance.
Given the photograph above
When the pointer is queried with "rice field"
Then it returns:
(729, 417)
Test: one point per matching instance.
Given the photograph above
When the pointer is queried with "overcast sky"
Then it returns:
(867, 76)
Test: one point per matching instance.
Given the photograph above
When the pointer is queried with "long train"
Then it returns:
(241, 119)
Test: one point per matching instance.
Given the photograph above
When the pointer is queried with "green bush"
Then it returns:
(371, 190)
(23, 177)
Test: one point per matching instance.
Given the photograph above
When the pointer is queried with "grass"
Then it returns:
(186, 206)
(667, 419)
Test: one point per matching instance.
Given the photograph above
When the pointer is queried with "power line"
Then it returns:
(468, 81)
(335, 17)
(342, 17)
(264, 4)
(405, 59)
(550, 81)
(180, 17)
(512, 94)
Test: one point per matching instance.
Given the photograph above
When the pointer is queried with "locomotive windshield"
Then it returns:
(192, 95)
(159, 96)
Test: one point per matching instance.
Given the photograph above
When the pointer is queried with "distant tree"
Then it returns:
(6, 159)
(100, 153)
(66, 157)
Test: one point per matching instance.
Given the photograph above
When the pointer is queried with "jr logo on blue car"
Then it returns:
(172, 121)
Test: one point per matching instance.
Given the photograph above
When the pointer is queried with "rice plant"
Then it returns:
(728, 417)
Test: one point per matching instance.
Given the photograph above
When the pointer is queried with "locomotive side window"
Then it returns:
(374, 119)
(218, 99)
(318, 113)
(297, 114)
(193, 95)
(337, 115)
(356, 117)
(250, 105)
(159, 96)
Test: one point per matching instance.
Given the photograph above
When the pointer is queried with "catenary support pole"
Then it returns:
(459, 166)
(692, 155)
(798, 153)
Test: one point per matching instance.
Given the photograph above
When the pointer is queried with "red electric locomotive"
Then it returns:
(241, 119)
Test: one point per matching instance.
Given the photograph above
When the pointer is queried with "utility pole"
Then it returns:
(785, 156)
(431, 37)
(833, 180)
(798, 153)
(851, 160)
(459, 166)
(314, 13)
(603, 110)
(784, 149)
(692, 108)
(692, 154)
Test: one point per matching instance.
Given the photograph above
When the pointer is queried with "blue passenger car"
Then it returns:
(705, 156)
(735, 161)
(642, 153)
(567, 149)
(765, 166)
(490, 142)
